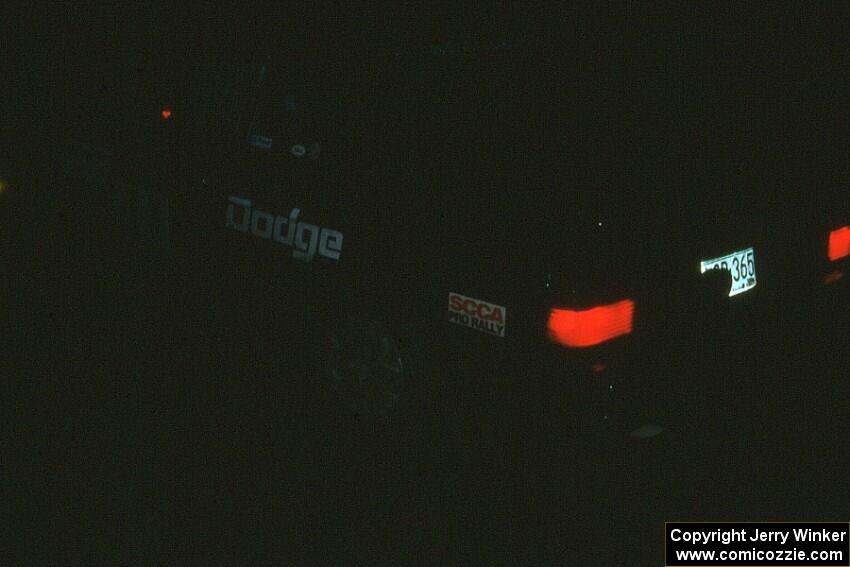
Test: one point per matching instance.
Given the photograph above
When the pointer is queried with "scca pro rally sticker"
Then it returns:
(477, 314)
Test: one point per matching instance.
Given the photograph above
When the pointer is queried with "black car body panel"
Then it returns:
(518, 177)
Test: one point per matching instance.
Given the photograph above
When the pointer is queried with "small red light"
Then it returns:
(839, 243)
(590, 327)
(166, 113)
(598, 367)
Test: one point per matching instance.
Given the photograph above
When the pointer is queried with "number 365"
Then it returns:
(744, 266)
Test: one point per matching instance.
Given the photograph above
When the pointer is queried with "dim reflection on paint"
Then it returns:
(833, 277)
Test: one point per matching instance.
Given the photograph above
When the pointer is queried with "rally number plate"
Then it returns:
(741, 264)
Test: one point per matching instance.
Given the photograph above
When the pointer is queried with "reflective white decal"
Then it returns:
(477, 314)
(306, 238)
(261, 142)
(742, 266)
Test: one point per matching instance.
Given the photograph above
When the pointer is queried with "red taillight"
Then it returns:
(839, 243)
(590, 327)
(166, 113)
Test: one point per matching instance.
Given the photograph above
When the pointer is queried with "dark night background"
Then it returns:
(156, 411)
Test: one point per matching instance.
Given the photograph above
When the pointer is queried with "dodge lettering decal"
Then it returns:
(304, 237)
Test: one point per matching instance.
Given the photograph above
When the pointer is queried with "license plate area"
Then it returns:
(742, 266)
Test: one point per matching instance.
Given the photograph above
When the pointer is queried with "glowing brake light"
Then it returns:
(166, 113)
(590, 327)
(839, 243)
